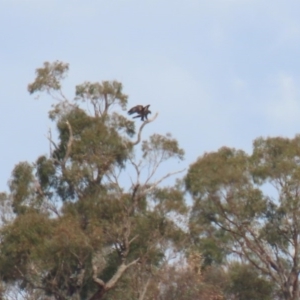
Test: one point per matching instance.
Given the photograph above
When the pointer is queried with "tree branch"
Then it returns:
(142, 296)
(97, 280)
(153, 185)
(104, 287)
(141, 128)
(69, 145)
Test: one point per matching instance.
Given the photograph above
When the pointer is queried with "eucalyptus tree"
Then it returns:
(249, 205)
(78, 226)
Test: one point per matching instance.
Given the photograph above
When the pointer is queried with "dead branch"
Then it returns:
(141, 128)
(49, 137)
(69, 145)
(153, 185)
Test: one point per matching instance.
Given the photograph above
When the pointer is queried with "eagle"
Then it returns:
(141, 111)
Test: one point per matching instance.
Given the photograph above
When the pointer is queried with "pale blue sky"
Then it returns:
(219, 72)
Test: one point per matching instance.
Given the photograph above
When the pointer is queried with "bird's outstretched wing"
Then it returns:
(136, 109)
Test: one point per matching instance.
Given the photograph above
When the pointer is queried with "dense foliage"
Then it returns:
(233, 209)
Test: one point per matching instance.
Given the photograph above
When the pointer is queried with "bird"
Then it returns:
(141, 111)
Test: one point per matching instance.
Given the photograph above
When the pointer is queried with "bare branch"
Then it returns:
(137, 170)
(153, 185)
(142, 296)
(113, 178)
(51, 206)
(155, 167)
(122, 268)
(49, 137)
(105, 104)
(80, 277)
(97, 280)
(63, 95)
(134, 238)
(141, 128)
(69, 145)
(104, 287)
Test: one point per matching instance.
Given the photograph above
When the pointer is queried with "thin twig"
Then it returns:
(153, 185)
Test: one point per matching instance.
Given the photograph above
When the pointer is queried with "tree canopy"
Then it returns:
(249, 205)
(92, 219)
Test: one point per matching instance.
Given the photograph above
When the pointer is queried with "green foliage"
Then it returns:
(184, 284)
(276, 158)
(21, 186)
(102, 95)
(21, 242)
(170, 199)
(211, 251)
(165, 145)
(222, 179)
(233, 211)
(45, 170)
(217, 169)
(94, 141)
(49, 77)
(246, 284)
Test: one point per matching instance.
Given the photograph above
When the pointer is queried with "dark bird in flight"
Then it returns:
(141, 111)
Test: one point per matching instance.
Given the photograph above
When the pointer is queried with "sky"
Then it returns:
(218, 72)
